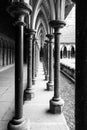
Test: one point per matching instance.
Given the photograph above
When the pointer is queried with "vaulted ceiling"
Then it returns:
(43, 12)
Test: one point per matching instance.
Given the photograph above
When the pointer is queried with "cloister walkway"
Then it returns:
(37, 110)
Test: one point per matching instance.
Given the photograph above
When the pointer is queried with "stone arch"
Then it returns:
(64, 49)
(36, 11)
(43, 15)
(40, 21)
(72, 52)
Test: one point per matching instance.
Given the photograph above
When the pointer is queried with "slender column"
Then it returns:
(3, 55)
(68, 54)
(13, 55)
(10, 54)
(28, 93)
(50, 83)
(36, 59)
(33, 63)
(47, 62)
(0, 54)
(7, 54)
(44, 60)
(56, 102)
(18, 10)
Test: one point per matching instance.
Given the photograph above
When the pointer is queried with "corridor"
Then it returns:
(37, 110)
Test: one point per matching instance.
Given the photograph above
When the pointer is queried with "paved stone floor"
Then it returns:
(37, 110)
(7, 94)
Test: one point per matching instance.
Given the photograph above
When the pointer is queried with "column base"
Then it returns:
(33, 81)
(50, 86)
(28, 94)
(56, 106)
(18, 124)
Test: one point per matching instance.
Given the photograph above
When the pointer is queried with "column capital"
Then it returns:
(29, 32)
(57, 24)
(19, 10)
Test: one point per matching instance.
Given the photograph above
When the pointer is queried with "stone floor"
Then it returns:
(37, 110)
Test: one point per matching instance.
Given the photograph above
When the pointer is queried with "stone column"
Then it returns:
(50, 83)
(3, 55)
(47, 73)
(33, 62)
(38, 56)
(56, 102)
(5, 52)
(28, 93)
(36, 59)
(18, 10)
(10, 54)
(13, 54)
(0, 54)
(45, 60)
(7, 55)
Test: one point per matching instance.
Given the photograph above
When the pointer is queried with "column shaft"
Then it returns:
(29, 68)
(36, 59)
(0, 55)
(33, 64)
(56, 63)
(28, 93)
(3, 56)
(50, 83)
(48, 60)
(51, 62)
(7, 54)
(19, 72)
(10, 55)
